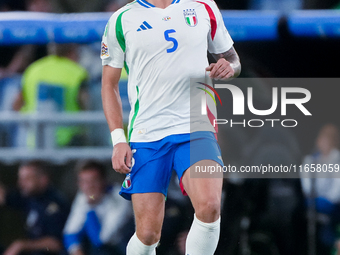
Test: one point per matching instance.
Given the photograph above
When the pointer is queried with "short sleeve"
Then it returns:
(219, 40)
(113, 43)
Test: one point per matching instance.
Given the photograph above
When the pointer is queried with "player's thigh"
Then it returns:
(205, 193)
(149, 214)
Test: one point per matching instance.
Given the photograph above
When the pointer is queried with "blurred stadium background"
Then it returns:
(274, 38)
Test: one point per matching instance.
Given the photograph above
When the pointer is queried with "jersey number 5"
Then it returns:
(170, 39)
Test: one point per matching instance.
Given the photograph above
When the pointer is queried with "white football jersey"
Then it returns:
(161, 50)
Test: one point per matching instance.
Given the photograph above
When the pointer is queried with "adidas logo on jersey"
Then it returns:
(145, 26)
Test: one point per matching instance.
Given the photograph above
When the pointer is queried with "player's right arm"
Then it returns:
(113, 57)
(220, 45)
(112, 105)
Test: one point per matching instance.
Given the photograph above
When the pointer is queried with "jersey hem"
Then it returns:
(177, 131)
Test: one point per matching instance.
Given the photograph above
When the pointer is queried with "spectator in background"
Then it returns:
(98, 214)
(8, 5)
(45, 209)
(88, 5)
(324, 191)
(55, 83)
(114, 5)
(319, 4)
(15, 59)
(232, 5)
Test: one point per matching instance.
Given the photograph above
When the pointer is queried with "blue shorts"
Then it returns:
(153, 162)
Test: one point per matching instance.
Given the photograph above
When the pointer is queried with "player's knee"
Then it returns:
(148, 236)
(208, 210)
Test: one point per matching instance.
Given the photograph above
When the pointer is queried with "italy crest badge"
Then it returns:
(190, 17)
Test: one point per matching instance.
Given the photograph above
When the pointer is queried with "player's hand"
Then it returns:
(121, 158)
(221, 70)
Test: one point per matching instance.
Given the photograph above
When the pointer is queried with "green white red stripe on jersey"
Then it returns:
(213, 22)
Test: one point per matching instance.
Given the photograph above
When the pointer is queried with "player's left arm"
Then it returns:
(228, 65)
